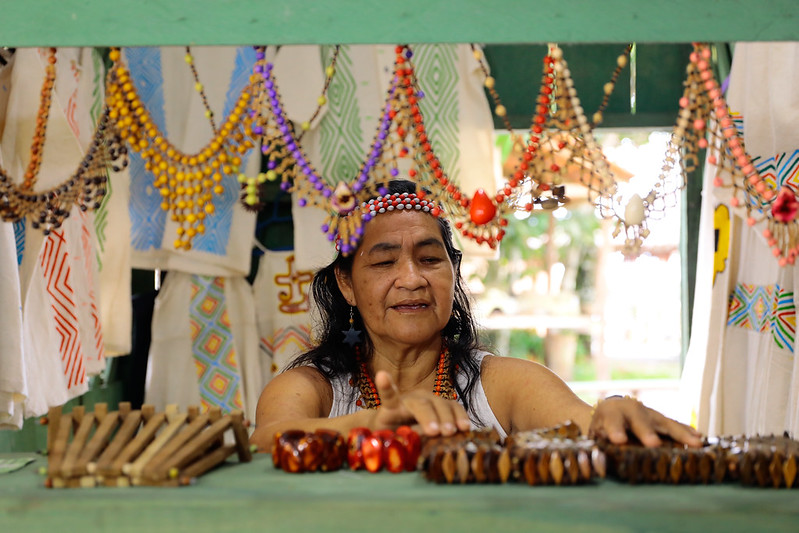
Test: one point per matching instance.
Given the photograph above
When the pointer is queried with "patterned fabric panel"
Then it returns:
(147, 220)
(19, 237)
(765, 309)
(288, 340)
(212, 345)
(56, 268)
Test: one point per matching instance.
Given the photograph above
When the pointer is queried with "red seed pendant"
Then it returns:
(482, 209)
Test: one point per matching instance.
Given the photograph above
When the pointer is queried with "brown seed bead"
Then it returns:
(531, 468)
(584, 463)
(676, 468)
(706, 467)
(691, 467)
(662, 466)
(775, 470)
(599, 462)
(570, 467)
(543, 467)
(463, 467)
(504, 465)
(789, 470)
(762, 471)
(556, 467)
(477, 465)
(448, 467)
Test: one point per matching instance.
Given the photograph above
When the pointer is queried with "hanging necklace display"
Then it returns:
(401, 134)
(705, 121)
(560, 143)
(279, 162)
(87, 185)
(187, 182)
(560, 126)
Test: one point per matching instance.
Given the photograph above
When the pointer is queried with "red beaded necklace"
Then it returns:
(370, 399)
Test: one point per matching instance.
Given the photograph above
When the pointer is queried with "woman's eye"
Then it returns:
(431, 260)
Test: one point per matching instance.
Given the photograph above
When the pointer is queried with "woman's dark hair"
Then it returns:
(332, 357)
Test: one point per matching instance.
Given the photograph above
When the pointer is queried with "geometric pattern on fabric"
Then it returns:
(101, 213)
(294, 298)
(54, 261)
(436, 66)
(96, 352)
(19, 239)
(147, 219)
(765, 309)
(294, 338)
(341, 138)
(214, 353)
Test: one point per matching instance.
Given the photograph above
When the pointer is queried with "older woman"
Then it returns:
(398, 345)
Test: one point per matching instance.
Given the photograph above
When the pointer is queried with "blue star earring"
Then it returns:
(352, 336)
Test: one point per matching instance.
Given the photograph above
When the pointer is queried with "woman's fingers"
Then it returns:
(436, 416)
(613, 418)
(677, 431)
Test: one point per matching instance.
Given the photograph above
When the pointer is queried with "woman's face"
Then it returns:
(402, 279)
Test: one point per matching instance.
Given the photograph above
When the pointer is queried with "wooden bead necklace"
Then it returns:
(370, 399)
(87, 185)
(187, 182)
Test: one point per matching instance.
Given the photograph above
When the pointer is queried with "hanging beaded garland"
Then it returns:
(280, 161)
(544, 174)
(87, 185)
(401, 134)
(705, 122)
(187, 182)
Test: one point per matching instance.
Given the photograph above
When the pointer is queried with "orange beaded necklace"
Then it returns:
(370, 399)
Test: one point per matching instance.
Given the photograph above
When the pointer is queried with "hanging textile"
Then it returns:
(13, 387)
(62, 330)
(282, 311)
(166, 87)
(204, 348)
(741, 367)
(455, 108)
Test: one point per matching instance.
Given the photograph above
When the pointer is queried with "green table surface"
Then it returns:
(256, 497)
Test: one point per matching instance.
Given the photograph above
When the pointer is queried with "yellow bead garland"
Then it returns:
(187, 182)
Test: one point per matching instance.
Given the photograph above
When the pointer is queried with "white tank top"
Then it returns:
(345, 396)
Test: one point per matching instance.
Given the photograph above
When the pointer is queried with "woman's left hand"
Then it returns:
(614, 417)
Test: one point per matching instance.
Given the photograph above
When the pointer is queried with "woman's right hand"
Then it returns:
(434, 415)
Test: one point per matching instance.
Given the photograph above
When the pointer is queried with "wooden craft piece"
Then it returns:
(153, 469)
(99, 441)
(53, 420)
(201, 466)
(127, 429)
(56, 456)
(137, 444)
(198, 445)
(75, 447)
(134, 469)
(240, 436)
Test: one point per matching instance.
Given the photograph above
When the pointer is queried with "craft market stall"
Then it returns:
(170, 137)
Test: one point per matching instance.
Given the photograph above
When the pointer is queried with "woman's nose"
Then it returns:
(409, 276)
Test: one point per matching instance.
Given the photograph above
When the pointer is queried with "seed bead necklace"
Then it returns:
(370, 399)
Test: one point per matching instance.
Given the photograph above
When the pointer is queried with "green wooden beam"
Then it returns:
(241, 22)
